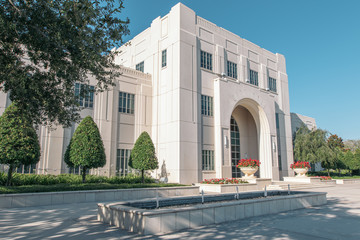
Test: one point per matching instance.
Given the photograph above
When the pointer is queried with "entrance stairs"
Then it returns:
(280, 185)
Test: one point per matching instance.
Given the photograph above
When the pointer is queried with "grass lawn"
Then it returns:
(79, 187)
(345, 177)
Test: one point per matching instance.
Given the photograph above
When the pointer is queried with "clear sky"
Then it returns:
(319, 38)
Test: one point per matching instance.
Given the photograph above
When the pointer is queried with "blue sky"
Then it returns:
(319, 38)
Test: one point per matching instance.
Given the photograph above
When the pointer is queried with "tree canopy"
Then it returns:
(86, 148)
(19, 143)
(334, 141)
(143, 156)
(46, 46)
(312, 146)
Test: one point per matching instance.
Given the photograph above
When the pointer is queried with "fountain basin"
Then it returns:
(132, 217)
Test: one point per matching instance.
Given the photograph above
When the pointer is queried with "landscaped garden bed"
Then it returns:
(223, 181)
(227, 185)
(28, 183)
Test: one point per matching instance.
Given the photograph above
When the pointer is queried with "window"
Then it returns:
(126, 102)
(77, 170)
(232, 69)
(140, 66)
(80, 90)
(254, 78)
(163, 58)
(26, 168)
(122, 162)
(208, 160)
(206, 60)
(235, 147)
(272, 84)
(277, 121)
(206, 105)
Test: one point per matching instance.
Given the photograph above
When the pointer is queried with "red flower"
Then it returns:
(300, 164)
(248, 163)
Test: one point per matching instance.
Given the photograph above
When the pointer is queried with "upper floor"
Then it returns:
(181, 40)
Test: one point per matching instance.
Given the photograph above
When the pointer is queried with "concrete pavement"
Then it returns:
(339, 219)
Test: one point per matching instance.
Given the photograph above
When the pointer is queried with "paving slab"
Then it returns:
(339, 219)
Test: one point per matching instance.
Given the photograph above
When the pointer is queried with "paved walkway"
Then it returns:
(339, 219)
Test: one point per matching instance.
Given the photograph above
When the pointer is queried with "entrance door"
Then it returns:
(235, 148)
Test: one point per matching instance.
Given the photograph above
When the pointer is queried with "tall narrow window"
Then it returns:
(26, 168)
(232, 69)
(206, 105)
(254, 77)
(163, 58)
(140, 66)
(277, 121)
(206, 60)
(77, 170)
(235, 147)
(208, 160)
(122, 162)
(272, 84)
(88, 91)
(126, 102)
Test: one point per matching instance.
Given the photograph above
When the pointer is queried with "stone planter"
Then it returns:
(249, 172)
(300, 172)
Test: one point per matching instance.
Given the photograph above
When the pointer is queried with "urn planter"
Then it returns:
(249, 172)
(300, 172)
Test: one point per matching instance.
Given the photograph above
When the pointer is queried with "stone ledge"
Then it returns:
(302, 179)
(55, 198)
(253, 185)
(348, 181)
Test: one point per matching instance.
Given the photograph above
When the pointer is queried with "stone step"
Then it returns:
(274, 187)
(293, 186)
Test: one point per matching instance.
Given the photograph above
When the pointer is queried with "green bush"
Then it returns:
(35, 179)
(86, 148)
(143, 155)
(19, 143)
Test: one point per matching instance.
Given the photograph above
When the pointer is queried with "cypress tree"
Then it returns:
(86, 148)
(19, 143)
(143, 156)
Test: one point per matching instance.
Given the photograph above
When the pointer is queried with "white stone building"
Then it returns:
(207, 97)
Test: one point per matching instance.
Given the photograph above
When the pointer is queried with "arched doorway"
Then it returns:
(244, 138)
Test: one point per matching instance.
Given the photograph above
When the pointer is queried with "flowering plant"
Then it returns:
(300, 164)
(248, 163)
(222, 181)
(324, 177)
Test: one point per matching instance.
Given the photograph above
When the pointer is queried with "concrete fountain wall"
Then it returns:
(159, 221)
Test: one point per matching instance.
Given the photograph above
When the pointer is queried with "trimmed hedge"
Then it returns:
(35, 179)
(79, 187)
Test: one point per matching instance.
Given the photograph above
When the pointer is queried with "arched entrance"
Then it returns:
(244, 140)
(250, 138)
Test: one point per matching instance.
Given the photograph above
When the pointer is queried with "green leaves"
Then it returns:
(143, 156)
(19, 143)
(86, 148)
(311, 146)
(47, 46)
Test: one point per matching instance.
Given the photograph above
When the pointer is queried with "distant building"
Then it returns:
(297, 121)
(206, 96)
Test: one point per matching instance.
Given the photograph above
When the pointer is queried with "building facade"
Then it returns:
(206, 96)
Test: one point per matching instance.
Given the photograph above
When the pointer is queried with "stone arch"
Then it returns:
(263, 134)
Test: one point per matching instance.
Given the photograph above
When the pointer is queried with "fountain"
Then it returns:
(163, 215)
